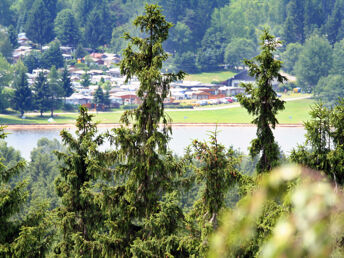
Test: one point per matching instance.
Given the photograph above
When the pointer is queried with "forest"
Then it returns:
(207, 35)
(138, 199)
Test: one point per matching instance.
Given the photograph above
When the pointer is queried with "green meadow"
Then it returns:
(295, 113)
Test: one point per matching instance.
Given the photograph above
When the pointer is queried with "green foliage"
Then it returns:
(22, 99)
(67, 29)
(98, 26)
(85, 78)
(186, 61)
(66, 82)
(323, 149)
(314, 62)
(237, 51)
(290, 56)
(41, 93)
(52, 56)
(338, 58)
(42, 172)
(147, 169)
(55, 90)
(12, 197)
(6, 48)
(329, 89)
(13, 37)
(263, 102)
(293, 231)
(33, 61)
(216, 174)
(6, 14)
(79, 218)
(5, 72)
(80, 52)
(99, 97)
(40, 23)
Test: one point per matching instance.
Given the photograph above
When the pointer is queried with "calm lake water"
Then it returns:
(239, 137)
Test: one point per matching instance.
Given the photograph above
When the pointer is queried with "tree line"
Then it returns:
(138, 199)
(206, 33)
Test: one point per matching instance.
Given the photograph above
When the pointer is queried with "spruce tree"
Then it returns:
(13, 37)
(79, 217)
(263, 103)
(216, 172)
(40, 23)
(66, 83)
(22, 99)
(55, 90)
(99, 97)
(41, 93)
(134, 207)
(12, 197)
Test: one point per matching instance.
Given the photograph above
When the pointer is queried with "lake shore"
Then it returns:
(104, 125)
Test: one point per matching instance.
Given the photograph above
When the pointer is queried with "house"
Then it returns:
(236, 80)
(231, 91)
(126, 97)
(79, 99)
(200, 95)
(244, 77)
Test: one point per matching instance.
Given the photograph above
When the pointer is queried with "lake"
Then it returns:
(239, 137)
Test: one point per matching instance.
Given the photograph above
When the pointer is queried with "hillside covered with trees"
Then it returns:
(137, 199)
(207, 35)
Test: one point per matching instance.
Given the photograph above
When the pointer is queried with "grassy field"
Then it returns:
(295, 113)
(210, 77)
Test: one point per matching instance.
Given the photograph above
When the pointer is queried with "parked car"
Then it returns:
(202, 102)
(229, 99)
(234, 99)
(212, 102)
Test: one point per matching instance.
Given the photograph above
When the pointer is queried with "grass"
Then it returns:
(295, 113)
(210, 77)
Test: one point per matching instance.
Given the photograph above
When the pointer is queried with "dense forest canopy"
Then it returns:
(202, 32)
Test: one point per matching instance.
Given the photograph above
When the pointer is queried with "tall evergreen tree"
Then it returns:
(13, 36)
(41, 93)
(22, 99)
(79, 217)
(66, 83)
(99, 97)
(143, 160)
(98, 27)
(12, 197)
(40, 23)
(294, 23)
(334, 22)
(216, 173)
(55, 90)
(264, 103)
